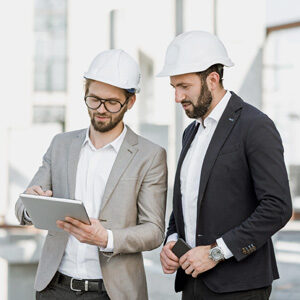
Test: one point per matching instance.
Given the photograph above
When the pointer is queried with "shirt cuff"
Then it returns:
(110, 242)
(26, 216)
(227, 253)
(172, 238)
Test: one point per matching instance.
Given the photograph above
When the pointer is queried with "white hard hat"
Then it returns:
(194, 51)
(117, 68)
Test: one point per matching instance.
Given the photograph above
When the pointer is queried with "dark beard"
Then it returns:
(100, 127)
(203, 103)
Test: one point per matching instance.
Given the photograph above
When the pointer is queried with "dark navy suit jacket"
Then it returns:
(244, 198)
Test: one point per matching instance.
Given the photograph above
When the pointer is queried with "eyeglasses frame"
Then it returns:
(102, 101)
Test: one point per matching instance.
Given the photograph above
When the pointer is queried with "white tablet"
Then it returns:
(45, 211)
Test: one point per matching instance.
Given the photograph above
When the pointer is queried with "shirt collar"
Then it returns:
(116, 143)
(217, 112)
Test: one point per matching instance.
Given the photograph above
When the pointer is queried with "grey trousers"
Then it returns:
(197, 290)
(57, 291)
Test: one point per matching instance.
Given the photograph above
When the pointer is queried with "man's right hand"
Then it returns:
(37, 190)
(169, 261)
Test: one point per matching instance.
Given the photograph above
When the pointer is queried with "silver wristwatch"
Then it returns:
(216, 254)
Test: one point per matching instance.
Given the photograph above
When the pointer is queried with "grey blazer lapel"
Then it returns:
(73, 158)
(123, 159)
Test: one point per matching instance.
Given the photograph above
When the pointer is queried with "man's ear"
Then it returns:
(212, 81)
(131, 101)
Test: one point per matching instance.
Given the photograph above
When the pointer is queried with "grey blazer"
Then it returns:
(133, 207)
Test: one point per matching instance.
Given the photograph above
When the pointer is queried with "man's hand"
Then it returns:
(37, 190)
(94, 234)
(196, 261)
(169, 261)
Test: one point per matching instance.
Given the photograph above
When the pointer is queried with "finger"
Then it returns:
(195, 274)
(59, 224)
(170, 245)
(167, 268)
(168, 271)
(31, 192)
(34, 190)
(189, 270)
(71, 229)
(172, 264)
(169, 263)
(170, 258)
(185, 265)
(171, 269)
(48, 193)
(38, 190)
(171, 255)
(164, 259)
(182, 259)
(77, 223)
(164, 265)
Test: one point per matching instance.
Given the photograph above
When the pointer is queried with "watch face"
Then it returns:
(216, 254)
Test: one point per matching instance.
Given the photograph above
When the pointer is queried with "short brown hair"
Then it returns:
(218, 68)
(88, 82)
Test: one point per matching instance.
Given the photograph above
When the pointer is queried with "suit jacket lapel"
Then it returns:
(224, 127)
(190, 137)
(123, 159)
(177, 203)
(73, 158)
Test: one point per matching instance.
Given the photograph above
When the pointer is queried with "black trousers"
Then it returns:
(195, 289)
(56, 290)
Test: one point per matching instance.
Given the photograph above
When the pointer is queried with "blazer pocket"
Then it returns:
(229, 149)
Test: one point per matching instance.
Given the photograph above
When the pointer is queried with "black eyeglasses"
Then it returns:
(111, 105)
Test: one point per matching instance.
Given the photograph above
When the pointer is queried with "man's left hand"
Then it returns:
(94, 234)
(196, 261)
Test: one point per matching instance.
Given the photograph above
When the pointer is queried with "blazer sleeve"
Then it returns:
(264, 153)
(151, 201)
(171, 227)
(41, 178)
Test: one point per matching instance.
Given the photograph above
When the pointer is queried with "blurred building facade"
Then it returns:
(48, 45)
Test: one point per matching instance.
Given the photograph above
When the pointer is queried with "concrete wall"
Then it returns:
(16, 30)
(19, 255)
(281, 101)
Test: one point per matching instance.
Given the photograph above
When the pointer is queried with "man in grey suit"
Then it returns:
(121, 179)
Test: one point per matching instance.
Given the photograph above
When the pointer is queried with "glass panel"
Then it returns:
(50, 45)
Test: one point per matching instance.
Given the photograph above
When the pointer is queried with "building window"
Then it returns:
(50, 26)
(49, 114)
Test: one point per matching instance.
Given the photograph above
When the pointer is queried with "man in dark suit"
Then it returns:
(231, 191)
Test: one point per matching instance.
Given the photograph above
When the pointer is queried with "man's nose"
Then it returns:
(101, 109)
(179, 96)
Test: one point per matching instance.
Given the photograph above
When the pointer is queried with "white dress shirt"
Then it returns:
(191, 173)
(81, 260)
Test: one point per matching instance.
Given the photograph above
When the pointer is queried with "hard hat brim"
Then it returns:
(96, 78)
(186, 69)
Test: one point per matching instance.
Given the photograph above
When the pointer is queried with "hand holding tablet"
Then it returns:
(45, 211)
